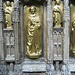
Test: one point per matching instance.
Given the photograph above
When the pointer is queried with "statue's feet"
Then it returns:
(34, 54)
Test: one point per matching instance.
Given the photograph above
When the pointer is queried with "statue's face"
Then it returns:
(32, 9)
(57, 1)
(8, 3)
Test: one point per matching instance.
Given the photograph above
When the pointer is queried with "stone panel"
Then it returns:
(9, 44)
(57, 43)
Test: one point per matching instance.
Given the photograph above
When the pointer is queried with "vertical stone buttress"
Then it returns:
(49, 31)
(66, 20)
(1, 31)
(50, 66)
(22, 30)
(45, 31)
(16, 28)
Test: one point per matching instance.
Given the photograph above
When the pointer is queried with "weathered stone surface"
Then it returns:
(53, 61)
(34, 67)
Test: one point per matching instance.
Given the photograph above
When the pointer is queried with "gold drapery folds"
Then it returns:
(33, 31)
(72, 29)
(8, 10)
(57, 13)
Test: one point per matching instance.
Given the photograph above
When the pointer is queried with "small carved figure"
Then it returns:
(57, 13)
(8, 9)
(33, 39)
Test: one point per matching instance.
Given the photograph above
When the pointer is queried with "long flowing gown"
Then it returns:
(33, 38)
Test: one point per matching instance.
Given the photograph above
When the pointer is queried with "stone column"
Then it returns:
(1, 31)
(66, 18)
(49, 38)
(49, 31)
(45, 32)
(16, 28)
(22, 30)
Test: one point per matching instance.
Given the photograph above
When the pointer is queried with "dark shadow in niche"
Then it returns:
(33, 1)
(72, 2)
(8, 0)
(72, 73)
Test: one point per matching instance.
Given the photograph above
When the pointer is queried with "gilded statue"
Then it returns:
(33, 43)
(8, 9)
(57, 13)
(73, 30)
(73, 36)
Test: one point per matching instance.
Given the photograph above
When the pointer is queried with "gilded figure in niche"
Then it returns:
(73, 36)
(8, 9)
(73, 30)
(33, 33)
(57, 13)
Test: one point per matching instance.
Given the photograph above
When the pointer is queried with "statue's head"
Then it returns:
(57, 1)
(8, 3)
(32, 9)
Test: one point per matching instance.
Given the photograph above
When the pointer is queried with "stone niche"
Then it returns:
(33, 65)
(8, 31)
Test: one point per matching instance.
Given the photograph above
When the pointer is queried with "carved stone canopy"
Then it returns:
(72, 1)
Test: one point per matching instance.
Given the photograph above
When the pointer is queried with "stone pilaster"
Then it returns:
(22, 30)
(66, 18)
(45, 32)
(49, 31)
(49, 38)
(1, 31)
(16, 28)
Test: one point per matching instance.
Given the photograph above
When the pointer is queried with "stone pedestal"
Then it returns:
(33, 66)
